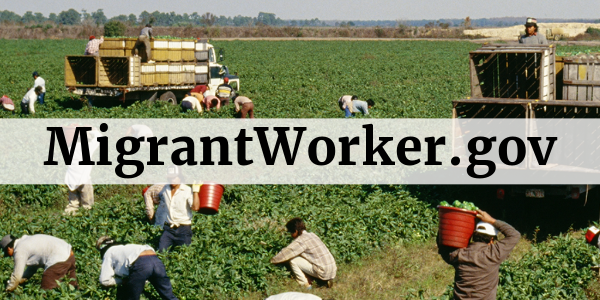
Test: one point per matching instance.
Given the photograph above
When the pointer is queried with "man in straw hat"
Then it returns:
(129, 266)
(532, 37)
(476, 267)
(179, 201)
(31, 252)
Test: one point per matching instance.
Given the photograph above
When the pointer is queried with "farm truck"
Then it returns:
(179, 65)
(531, 82)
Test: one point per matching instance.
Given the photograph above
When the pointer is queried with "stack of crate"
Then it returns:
(112, 47)
(201, 68)
(581, 77)
(148, 74)
(119, 71)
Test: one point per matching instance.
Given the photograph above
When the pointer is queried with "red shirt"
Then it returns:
(200, 89)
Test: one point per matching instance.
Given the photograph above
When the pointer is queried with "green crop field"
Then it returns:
(230, 252)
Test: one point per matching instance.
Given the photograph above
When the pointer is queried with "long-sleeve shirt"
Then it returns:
(209, 99)
(224, 91)
(195, 103)
(93, 46)
(39, 81)
(147, 31)
(178, 207)
(476, 267)
(152, 198)
(36, 251)
(346, 102)
(360, 105)
(30, 99)
(310, 247)
(117, 261)
(537, 39)
(240, 101)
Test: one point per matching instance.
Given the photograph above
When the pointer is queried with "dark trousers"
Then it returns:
(247, 109)
(146, 268)
(179, 236)
(58, 271)
(186, 105)
(24, 108)
(41, 98)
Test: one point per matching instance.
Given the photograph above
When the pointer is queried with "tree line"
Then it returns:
(74, 17)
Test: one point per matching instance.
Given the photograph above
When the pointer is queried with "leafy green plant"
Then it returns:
(114, 29)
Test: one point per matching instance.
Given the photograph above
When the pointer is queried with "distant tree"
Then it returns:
(114, 28)
(132, 20)
(267, 18)
(144, 18)
(350, 24)
(28, 17)
(99, 17)
(85, 16)
(69, 17)
(243, 21)
(467, 23)
(208, 19)
(9, 16)
(444, 25)
(39, 18)
(294, 23)
(120, 18)
(53, 17)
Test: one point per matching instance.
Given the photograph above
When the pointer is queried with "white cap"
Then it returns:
(486, 228)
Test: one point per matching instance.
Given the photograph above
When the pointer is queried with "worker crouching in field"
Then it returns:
(362, 106)
(129, 266)
(244, 106)
(345, 103)
(476, 267)
(36, 251)
(532, 37)
(191, 103)
(306, 255)
(27, 104)
(7, 104)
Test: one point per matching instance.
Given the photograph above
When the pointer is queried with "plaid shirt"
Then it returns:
(152, 198)
(310, 247)
(93, 46)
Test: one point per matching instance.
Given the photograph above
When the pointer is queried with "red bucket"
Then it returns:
(210, 198)
(591, 233)
(456, 226)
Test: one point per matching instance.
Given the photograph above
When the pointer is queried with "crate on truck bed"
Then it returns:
(513, 71)
(581, 77)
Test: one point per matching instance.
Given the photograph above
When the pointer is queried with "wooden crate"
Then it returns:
(174, 55)
(113, 43)
(581, 78)
(174, 44)
(118, 71)
(111, 52)
(187, 55)
(149, 79)
(176, 78)
(201, 78)
(130, 43)
(81, 71)
(513, 71)
(188, 45)
(189, 78)
(159, 44)
(201, 55)
(161, 78)
(201, 68)
(160, 55)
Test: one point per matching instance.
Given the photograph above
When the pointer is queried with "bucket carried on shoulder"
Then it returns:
(210, 197)
(456, 226)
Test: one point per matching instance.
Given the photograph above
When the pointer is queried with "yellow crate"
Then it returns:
(187, 55)
(130, 43)
(113, 43)
(111, 52)
(148, 79)
(160, 55)
(161, 78)
(176, 78)
(175, 55)
(189, 78)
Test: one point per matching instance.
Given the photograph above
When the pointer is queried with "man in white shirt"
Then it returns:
(32, 252)
(78, 179)
(129, 266)
(191, 103)
(27, 104)
(39, 81)
(179, 202)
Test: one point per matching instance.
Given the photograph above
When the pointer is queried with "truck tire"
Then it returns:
(168, 97)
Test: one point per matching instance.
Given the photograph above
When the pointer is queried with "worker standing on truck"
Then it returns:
(306, 255)
(144, 41)
(191, 103)
(129, 266)
(93, 46)
(476, 267)
(345, 103)
(244, 106)
(180, 200)
(225, 92)
(31, 252)
(39, 81)
(27, 104)
(532, 37)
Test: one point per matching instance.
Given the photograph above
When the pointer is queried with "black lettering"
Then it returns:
(535, 146)
(503, 151)
(487, 146)
(154, 143)
(281, 140)
(58, 135)
(135, 147)
(207, 151)
(241, 149)
(431, 150)
(188, 150)
(312, 151)
(346, 143)
(402, 149)
(379, 149)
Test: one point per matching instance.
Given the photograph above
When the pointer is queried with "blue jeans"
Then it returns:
(348, 113)
(146, 268)
(41, 98)
(179, 236)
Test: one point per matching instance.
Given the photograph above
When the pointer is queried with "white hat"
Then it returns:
(486, 228)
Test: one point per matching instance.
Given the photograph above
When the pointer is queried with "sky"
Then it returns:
(328, 9)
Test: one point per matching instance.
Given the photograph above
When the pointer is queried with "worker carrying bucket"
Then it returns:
(476, 266)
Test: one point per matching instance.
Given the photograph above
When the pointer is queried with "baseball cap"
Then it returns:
(92, 37)
(486, 228)
(531, 22)
(103, 241)
(174, 172)
(35, 73)
(5, 241)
